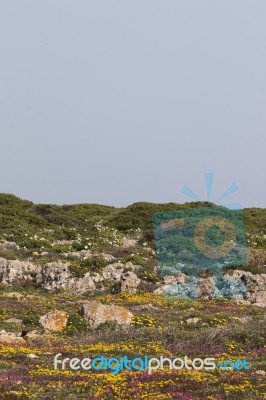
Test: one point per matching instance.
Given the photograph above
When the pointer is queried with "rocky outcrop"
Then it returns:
(129, 282)
(54, 321)
(12, 271)
(169, 281)
(57, 275)
(254, 285)
(238, 285)
(54, 276)
(97, 313)
(123, 273)
(260, 298)
(113, 271)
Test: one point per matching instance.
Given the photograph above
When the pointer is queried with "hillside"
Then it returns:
(43, 228)
(83, 281)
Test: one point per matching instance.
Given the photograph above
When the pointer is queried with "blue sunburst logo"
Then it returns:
(221, 200)
(199, 238)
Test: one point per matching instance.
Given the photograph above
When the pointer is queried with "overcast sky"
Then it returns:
(117, 101)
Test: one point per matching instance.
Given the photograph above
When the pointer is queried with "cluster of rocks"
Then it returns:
(242, 286)
(239, 285)
(94, 314)
(57, 275)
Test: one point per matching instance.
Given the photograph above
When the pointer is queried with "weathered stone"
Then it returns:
(113, 271)
(54, 275)
(10, 337)
(31, 356)
(194, 320)
(260, 372)
(169, 280)
(206, 288)
(12, 271)
(252, 282)
(97, 313)
(54, 320)
(129, 282)
(260, 298)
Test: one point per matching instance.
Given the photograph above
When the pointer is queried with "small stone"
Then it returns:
(261, 372)
(32, 356)
(194, 320)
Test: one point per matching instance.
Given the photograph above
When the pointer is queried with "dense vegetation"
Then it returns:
(39, 227)
(18, 217)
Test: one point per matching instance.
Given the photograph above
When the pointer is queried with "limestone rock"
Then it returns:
(31, 356)
(54, 275)
(206, 288)
(194, 320)
(113, 271)
(175, 279)
(10, 337)
(97, 313)
(12, 271)
(260, 298)
(54, 320)
(129, 282)
(260, 372)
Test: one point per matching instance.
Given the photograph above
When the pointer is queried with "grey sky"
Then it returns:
(114, 102)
